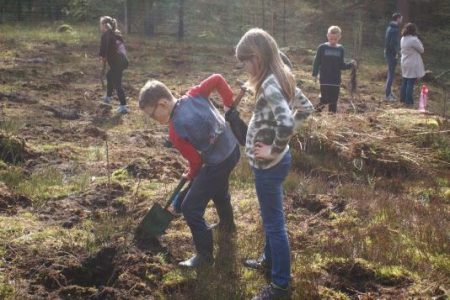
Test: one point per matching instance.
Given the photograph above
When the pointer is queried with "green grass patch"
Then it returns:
(24, 34)
(12, 149)
(12, 176)
(11, 125)
(177, 277)
(6, 289)
(121, 175)
(392, 275)
(242, 175)
(44, 184)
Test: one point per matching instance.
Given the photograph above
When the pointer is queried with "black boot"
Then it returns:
(197, 261)
(259, 264)
(226, 217)
(224, 228)
(273, 292)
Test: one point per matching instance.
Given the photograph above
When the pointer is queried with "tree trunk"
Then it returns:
(19, 10)
(180, 19)
(358, 28)
(2, 10)
(284, 22)
(51, 10)
(404, 9)
(263, 12)
(149, 23)
(125, 16)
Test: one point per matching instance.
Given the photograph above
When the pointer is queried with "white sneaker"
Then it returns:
(390, 98)
(106, 100)
(122, 109)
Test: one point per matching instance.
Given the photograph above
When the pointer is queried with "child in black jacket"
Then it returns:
(112, 50)
(329, 61)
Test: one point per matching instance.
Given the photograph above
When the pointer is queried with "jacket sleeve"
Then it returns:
(187, 151)
(391, 41)
(417, 44)
(103, 45)
(283, 117)
(396, 42)
(301, 107)
(317, 62)
(215, 82)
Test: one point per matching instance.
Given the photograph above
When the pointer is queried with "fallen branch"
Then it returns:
(442, 74)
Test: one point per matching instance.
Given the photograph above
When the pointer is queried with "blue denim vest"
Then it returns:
(196, 120)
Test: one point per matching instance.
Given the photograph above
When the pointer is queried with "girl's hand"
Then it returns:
(263, 151)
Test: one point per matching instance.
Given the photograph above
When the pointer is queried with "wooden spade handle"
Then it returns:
(241, 93)
(175, 192)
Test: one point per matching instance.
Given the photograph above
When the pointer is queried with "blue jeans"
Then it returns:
(211, 183)
(406, 91)
(269, 189)
(392, 63)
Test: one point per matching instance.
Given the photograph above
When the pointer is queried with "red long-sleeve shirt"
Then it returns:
(214, 82)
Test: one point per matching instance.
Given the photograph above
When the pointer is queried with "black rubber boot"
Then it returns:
(197, 261)
(259, 264)
(203, 241)
(273, 292)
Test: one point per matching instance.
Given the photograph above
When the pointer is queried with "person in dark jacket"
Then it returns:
(112, 50)
(328, 63)
(391, 51)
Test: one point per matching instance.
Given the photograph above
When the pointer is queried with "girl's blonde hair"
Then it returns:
(109, 22)
(258, 43)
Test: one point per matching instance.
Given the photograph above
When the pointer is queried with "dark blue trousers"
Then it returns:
(211, 183)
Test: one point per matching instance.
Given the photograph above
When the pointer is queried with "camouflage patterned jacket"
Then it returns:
(274, 120)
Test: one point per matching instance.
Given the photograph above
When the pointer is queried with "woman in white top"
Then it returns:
(411, 62)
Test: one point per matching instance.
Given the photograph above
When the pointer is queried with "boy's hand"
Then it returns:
(226, 108)
(354, 63)
(315, 79)
(263, 151)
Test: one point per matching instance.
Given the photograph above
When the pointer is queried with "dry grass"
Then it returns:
(360, 194)
(389, 142)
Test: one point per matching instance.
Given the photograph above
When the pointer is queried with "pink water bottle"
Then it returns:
(423, 98)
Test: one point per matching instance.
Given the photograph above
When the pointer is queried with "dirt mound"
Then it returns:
(95, 132)
(64, 28)
(9, 202)
(113, 272)
(156, 168)
(357, 277)
(69, 76)
(352, 277)
(62, 113)
(18, 98)
(71, 210)
(13, 149)
(317, 203)
(390, 143)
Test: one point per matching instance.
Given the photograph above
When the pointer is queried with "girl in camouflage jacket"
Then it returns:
(279, 107)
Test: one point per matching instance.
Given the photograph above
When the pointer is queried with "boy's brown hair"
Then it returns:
(335, 30)
(152, 92)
